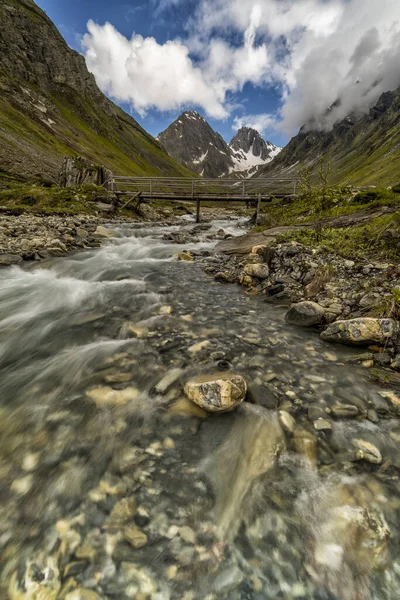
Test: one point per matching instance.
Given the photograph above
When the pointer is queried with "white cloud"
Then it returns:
(337, 54)
(262, 122)
(147, 74)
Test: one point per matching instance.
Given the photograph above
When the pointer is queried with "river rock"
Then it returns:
(305, 314)
(104, 232)
(185, 256)
(286, 421)
(259, 271)
(9, 259)
(306, 443)
(367, 451)
(225, 277)
(220, 393)
(106, 396)
(361, 331)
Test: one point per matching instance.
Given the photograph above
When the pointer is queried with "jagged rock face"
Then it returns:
(192, 142)
(51, 107)
(250, 141)
(362, 150)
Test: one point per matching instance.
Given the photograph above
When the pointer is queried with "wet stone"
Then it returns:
(345, 411)
(305, 314)
(222, 392)
(322, 425)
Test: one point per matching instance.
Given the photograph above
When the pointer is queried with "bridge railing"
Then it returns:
(184, 188)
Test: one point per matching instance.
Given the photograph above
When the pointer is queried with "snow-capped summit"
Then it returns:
(193, 142)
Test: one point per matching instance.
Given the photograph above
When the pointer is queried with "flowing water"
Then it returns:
(114, 486)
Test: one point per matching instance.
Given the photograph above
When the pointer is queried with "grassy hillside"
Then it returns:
(51, 107)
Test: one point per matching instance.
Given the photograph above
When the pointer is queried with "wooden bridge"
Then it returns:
(251, 191)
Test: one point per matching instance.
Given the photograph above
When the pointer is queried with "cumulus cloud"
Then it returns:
(329, 58)
(147, 74)
(262, 123)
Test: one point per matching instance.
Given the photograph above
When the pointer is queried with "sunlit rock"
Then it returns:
(259, 271)
(103, 232)
(287, 421)
(367, 451)
(185, 256)
(361, 331)
(217, 394)
(106, 396)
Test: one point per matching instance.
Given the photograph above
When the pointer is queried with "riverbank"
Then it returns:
(327, 286)
(30, 237)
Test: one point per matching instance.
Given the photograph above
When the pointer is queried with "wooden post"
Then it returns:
(258, 209)
(198, 210)
(151, 188)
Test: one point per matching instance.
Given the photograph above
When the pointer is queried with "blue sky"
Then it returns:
(128, 17)
(274, 65)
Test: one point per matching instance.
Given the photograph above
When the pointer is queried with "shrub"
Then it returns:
(396, 189)
(370, 196)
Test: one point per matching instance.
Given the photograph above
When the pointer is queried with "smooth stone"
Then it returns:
(220, 393)
(322, 425)
(287, 421)
(305, 314)
(104, 232)
(367, 451)
(361, 331)
(106, 396)
(316, 412)
(184, 408)
(259, 271)
(306, 443)
(187, 534)
(225, 277)
(345, 411)
(168, 380)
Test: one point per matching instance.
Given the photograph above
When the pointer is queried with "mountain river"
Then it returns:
(114, 486)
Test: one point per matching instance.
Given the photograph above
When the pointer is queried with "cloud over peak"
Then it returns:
(329, 58)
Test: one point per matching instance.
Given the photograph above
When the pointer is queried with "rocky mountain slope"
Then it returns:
(194, 143)
(361, 151)
(50, 106)
(251, 151)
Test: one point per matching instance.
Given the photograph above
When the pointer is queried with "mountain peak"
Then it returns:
(193, 142)
(251, 149)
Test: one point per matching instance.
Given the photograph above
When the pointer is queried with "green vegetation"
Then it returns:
(376, 239)
(354, 224)
(49, 199)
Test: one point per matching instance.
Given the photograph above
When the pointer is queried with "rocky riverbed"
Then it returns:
(119, 479)
(322, 288)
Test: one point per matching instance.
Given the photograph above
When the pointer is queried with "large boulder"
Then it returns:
(220, 393)
(77, 170)
(259, 271)
(361, 331)
(305, 314)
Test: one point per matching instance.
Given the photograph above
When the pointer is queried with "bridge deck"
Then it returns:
(175, 188)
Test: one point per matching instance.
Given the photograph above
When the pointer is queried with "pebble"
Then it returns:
(322, 425)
